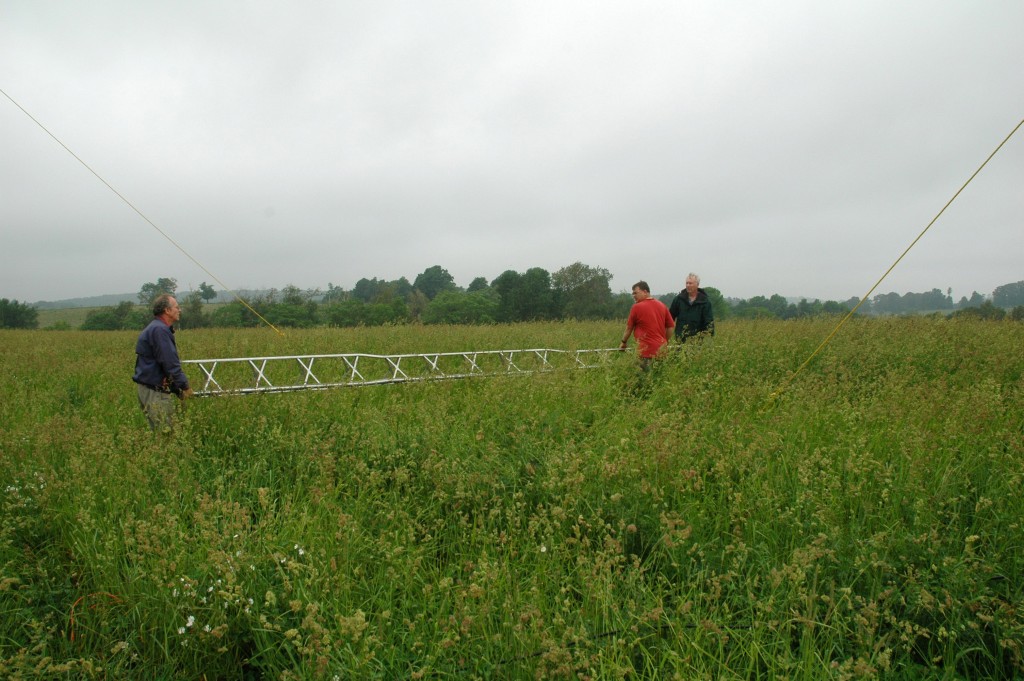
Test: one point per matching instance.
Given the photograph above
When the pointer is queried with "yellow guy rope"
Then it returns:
(825, 342)
(132, 206)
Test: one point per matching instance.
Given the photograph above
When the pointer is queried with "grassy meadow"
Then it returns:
(864, 523)
(64, 318)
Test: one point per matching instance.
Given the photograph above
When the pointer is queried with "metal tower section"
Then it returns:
(246, 375)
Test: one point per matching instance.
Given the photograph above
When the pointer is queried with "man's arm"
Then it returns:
(166, 354)
(625, 338)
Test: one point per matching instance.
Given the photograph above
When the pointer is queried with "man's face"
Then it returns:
(639, 294)
(173, 311)
(691, 286)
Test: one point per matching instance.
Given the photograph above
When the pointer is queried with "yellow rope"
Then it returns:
(132, 206)
(825, 342)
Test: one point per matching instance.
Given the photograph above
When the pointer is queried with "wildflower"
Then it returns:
(543, 549)
(191, 621)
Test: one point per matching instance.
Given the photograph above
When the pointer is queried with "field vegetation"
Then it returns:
(866, 522)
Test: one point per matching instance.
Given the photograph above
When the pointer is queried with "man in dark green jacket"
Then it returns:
(692, 311)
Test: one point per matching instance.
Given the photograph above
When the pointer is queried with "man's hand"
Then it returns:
(186, 393)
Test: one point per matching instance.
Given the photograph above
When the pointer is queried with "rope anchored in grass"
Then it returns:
(913, 243)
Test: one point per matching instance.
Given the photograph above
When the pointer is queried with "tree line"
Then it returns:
(576, 291)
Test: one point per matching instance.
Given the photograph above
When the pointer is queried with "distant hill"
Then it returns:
(114, 298)
(93, 301)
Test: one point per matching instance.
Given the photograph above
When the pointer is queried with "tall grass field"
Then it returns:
(712, 520)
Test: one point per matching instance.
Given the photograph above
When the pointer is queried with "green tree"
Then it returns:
(207, 292)
(808, 308)
(335, 294)
(935, 300)
(887, 303)
(478, 284)
(15, 315)
(150, 290)
(343, 312)
(584, 292)
(295, 307)
(433, 280)
(387, 293)
(752, 308)
(853, 302)
(537, 298)
(719, 304)
(457, 307)
(124, 315)
(228, 316)
(507, 286)
(367, 290)
(102, 319)
(986, 311)
(1009, 295)
(193, 315)
(975, 300)
(402, 287)
(833, 307)
(293, 295)
(621, 303)
(418, 302)
(780, 307)
(287, 314)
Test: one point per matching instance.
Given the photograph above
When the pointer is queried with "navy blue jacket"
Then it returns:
(156, 359)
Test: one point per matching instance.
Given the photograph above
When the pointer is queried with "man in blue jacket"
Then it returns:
(692, 311)
(158, 374)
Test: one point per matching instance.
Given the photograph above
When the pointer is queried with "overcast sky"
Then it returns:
(792, 147)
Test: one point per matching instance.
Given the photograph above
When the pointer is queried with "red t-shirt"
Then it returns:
(649, 319)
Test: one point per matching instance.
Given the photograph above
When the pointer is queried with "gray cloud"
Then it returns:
(793, 147)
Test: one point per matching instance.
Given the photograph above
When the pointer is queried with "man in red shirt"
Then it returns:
(650, 321)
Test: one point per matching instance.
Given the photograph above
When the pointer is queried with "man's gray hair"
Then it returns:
(695, 276)
(161, 304)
